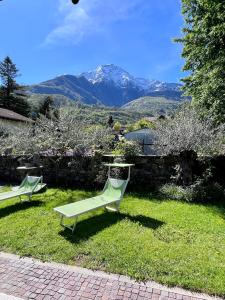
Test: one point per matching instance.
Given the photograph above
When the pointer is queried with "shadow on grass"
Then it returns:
(11, 209)
(89, 227)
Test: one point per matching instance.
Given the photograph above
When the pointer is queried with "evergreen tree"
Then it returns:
(204, 52)
(47, 108)
(18, 103)
(110, 121)
(8, 73)
(12, 95)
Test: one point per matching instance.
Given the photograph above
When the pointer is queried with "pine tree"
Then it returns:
(110, 121)
(12, 95)
(204, 52)
(47, 108)
(8, 73)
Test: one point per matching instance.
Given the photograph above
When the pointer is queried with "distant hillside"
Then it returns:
(108, 85)
(91, 114)
(100, 115)
(153, 105)
(59, 100)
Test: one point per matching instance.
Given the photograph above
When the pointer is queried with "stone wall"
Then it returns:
(89, 172)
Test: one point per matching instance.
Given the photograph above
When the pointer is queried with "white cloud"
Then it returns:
(89, 17)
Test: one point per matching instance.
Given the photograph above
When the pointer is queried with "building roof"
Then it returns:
(13, 116)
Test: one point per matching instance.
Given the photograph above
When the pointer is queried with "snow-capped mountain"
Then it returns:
(121, 78)
(109, 73)
(109, 85)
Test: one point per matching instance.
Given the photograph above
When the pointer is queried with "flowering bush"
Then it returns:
(56, 136)
(188, 132)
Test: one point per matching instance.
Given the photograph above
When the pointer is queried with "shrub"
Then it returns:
(127, 148)
(187, 131)
(117, 126)
(142, 123)
(197, 192)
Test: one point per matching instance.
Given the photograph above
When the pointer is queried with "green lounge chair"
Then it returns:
(26, 188)
(39, 188)
(111, 195)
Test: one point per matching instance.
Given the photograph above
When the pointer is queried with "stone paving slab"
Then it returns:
(31, 279)
(7, 297)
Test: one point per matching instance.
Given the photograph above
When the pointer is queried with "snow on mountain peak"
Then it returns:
(121, 78)
(109, 73)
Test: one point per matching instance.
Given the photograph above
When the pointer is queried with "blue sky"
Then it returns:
(46, 38)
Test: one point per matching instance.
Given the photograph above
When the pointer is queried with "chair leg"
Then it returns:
(116, 209)
(72, 227)
(28, 196)
(118, 206)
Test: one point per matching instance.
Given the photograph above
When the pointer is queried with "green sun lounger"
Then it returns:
(110, 199)
(26, 188)
(39, 188)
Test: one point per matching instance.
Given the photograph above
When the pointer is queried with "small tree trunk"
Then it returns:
(185, 175)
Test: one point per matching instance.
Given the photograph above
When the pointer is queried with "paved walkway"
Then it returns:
(31, 279)
(7, 297)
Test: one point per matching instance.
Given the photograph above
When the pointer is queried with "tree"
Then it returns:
(46, 107)
(117, 126)
(110, 121)
(187, 131)
(204, 44)
(188, 135)
(18, 103)
(12, 95)
(8, 73)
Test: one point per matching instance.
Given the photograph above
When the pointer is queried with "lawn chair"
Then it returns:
(26, 188)
(110, 198)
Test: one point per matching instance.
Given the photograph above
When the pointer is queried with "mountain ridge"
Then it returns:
(109, 85)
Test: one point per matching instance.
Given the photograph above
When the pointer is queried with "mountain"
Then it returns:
(70, 86)
(109, 85)
(122, 79)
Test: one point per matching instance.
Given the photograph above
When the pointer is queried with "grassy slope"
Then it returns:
(168, 241)
(154, 104)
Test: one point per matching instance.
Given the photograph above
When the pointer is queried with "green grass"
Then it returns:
(170, 242)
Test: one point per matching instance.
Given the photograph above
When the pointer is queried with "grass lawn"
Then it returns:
(170, 242)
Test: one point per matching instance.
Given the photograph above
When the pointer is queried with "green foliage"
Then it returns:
(110, 121)
(172, 242)
(117, 126)
(17, 103)
(47, 108)
(127, 148)
(197, 192)
(88, 113)
(204, 44)
(142, 123)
